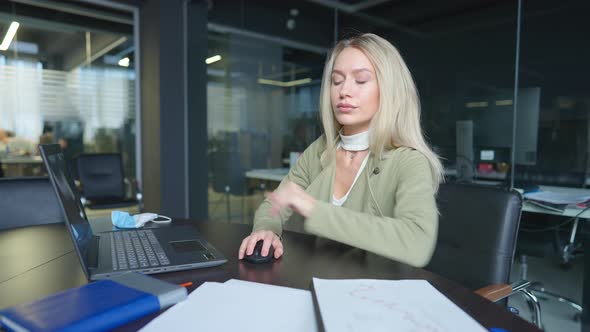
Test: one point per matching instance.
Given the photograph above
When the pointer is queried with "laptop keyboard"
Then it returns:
(136, 249)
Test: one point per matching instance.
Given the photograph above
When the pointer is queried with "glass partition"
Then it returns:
(264, 89)
(554, 65)
(262, 108)
(64, 79)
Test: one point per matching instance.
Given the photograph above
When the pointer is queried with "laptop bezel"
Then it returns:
(47, 150)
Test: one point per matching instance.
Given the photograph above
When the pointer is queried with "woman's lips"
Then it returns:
(345, 108)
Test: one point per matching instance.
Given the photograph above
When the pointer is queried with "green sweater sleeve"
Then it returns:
(263, 220)
(408, 236)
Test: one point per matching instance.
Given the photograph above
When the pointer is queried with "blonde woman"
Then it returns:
(370, 181)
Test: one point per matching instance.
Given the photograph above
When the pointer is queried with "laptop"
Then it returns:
(102, 255)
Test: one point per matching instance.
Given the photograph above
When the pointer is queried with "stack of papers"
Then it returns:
(340, 305)
(239, 306)
(388, 305)
(557, 197)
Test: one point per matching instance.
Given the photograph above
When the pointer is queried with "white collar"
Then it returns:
(356, 142)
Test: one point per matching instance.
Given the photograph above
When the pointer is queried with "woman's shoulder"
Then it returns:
(406, 161)
(408, 155)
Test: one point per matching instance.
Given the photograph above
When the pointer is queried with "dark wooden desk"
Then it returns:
(24, 279)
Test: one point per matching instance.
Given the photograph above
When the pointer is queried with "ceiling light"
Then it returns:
(284, 84)
(475, 104)
(9, 35)
(213, 59)
(124, 62)
(505, 102)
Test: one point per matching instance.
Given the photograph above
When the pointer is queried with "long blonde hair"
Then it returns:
(397, 122)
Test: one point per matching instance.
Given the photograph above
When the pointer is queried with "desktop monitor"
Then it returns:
(491, 118)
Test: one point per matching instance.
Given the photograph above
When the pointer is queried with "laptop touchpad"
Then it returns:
(187, 246)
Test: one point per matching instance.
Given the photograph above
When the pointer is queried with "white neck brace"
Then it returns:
(357, 142)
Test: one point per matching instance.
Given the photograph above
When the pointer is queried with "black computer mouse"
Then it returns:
(257, 257)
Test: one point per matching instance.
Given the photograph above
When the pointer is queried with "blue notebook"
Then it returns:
(98, 306)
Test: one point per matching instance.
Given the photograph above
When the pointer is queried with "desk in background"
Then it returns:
(32, 269)
(486, 176)
(570, 211)
(268, 174)
(267, 178)
(277, 174)
(21, 165)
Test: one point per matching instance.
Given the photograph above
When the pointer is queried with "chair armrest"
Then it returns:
(497, 292)
(132, 186)
(132, 190)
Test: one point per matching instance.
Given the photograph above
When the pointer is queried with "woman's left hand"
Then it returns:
(290, 195)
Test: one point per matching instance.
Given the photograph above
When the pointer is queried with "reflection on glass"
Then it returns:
(69, 79)
(262, 108)
(555, 60)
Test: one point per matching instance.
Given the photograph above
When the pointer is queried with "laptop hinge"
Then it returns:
(93, 252)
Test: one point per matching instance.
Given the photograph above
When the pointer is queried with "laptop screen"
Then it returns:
(69, 197)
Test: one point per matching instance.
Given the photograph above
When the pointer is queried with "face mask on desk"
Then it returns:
(125, 220)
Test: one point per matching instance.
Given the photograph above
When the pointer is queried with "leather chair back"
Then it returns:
(478, 227)
(27, 201)
(227, 172)
(101, 176)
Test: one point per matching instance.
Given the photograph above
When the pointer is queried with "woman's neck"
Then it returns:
(353, 130)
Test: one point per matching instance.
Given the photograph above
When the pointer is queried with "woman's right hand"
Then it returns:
(269, 238)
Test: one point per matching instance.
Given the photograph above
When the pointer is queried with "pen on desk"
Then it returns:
(186, 284)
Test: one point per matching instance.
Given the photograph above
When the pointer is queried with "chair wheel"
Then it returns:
(577, 317)
(565, 266)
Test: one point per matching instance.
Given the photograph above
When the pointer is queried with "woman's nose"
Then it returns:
(345, 89)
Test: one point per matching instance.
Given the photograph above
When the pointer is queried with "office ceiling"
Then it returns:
(58, 27)
(55, 32)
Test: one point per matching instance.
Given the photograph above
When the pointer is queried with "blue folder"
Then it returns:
(98, 306)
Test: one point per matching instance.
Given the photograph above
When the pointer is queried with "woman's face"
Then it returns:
(354, 91)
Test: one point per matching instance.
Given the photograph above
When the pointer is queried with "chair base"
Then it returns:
(534, 306)
(542, 293)
(571, 249)
(537, 290)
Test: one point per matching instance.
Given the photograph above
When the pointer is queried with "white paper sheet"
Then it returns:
(239, 306)
(388, 305)
(557, 197)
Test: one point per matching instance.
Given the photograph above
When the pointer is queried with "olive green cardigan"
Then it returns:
(391, 210)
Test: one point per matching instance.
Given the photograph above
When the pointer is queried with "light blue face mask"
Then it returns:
(122, 219)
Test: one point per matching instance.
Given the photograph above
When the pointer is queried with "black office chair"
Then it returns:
(535, 242)
(228, 177)
(478, 226)
(27, 201)
(102, 183)
(548, 242)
